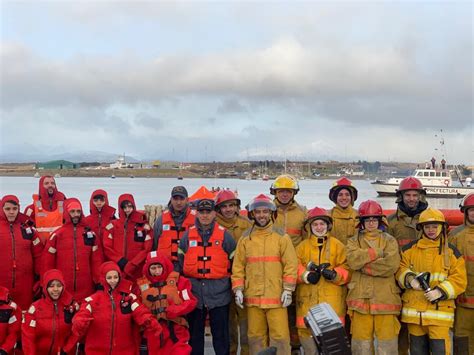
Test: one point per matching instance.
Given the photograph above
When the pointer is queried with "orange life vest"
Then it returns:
(47, 222)
(155, 296)
(171, 235)
(206, 260)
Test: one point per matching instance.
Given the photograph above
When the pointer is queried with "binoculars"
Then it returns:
(317, 268)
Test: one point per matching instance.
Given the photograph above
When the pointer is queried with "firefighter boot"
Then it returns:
(387, 347)
(309, 346)
(461, 345)
(362, 347)
(438, 347)
(419, 344)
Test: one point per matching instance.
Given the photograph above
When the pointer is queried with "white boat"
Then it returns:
(57, 176)
(437, 183)
(37, 175)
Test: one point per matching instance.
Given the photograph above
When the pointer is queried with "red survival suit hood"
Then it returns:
(135, 216)
(4, 295)
(55, 274)
(21, 218)
(107, 210)
(44, 196)
(72, 204)
(157, 258)
(123, 285)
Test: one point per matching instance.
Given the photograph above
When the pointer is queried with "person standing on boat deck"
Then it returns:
(20, 254)
(290, 218)
(343, 193)
(171, 225)
(228, 216)
(129, 238)
(373, 299)
(205, 254)
(101, 215)
(74, 250)
(47, 208)
(264, 278)
(429, 311)
(411, 202)
(463, 240)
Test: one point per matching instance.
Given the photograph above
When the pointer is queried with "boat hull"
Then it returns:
(385, 189)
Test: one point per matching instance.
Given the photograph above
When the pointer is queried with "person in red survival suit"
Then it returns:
(74, 250)
(101, 215)
(47, 208)
(129, 238)
(169, 298)
(47, 325)
(20, 252)
(10, 322)
(109, 319)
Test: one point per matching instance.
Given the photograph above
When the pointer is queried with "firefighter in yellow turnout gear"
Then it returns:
(464, 320)
(227, 208)
(343, 193)
(264, 278)
(290, 218)
(373, 299)
(428, 307)
(322, 273)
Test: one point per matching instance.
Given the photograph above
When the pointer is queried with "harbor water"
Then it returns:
(156, 191)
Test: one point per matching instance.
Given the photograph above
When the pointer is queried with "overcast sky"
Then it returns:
(196, 81)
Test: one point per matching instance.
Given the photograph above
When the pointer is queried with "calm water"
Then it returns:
(156, 191)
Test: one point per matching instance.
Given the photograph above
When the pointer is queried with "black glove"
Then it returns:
(121, 263)
(3, 352)
(313, 277)
(126, 305)
(62, 352)
(329, 274)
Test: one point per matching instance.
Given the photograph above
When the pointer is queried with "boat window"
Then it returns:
(444, 174)
(419, 173)
(426, 173)
(432, 173)
(438, 173)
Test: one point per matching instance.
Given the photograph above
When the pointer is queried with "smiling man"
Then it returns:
(205, 254)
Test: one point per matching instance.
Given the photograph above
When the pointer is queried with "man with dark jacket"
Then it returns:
(205, 254)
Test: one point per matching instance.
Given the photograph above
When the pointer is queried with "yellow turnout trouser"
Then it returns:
(464, 325)
(268, 327)
(433, 332)
(365, 326)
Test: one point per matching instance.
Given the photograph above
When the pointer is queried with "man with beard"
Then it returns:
(205, 255)
(411, 200)
(290, 218)
(73, 249)
(47, 208)
(171, 225)
(228, 216)
(264, 278)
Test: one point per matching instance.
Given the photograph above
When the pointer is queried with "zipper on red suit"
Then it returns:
(13, 256)
(53, 338)
(112, 330)
(76, 266)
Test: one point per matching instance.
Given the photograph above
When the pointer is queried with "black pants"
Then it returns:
(219, 322)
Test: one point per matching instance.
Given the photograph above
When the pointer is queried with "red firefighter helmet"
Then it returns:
(370, 208)
(410, 183)
(467, 202)
(261, 201)
(342, 183)
(318, 213)
(224, 196)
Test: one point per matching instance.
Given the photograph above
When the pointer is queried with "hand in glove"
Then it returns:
(239, 298)
(3, 352)
(415, 284)
(433, 295)
(286, 298)
(311, 277)
(329, 274)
